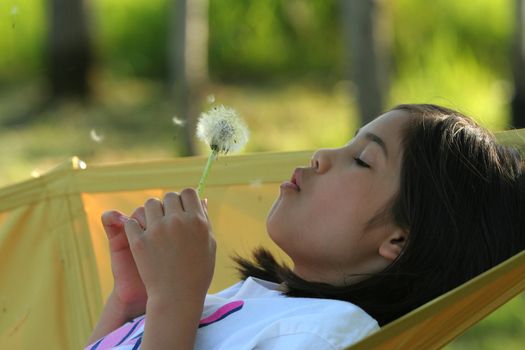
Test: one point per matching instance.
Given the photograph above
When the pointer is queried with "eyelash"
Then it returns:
(360, 162)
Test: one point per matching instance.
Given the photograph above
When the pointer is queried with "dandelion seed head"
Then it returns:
(177, 121)
(222, 129)
(95, 136)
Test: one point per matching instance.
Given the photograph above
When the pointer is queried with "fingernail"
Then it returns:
(206, 202)
(123, 218)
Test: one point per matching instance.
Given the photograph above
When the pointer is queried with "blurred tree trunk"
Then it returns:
(518, 65)
(365, 55)
(188, 57)
(69, 49)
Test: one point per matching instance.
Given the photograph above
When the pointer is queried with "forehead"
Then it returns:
(389, 122)
(389, 128)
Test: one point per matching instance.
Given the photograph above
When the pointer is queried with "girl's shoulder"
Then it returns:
(260, 311)
(270, 298)
(284, 322)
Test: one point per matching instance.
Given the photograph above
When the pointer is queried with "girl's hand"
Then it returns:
(175, 254)
(129, 292)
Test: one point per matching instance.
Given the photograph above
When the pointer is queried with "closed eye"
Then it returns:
(360, 162)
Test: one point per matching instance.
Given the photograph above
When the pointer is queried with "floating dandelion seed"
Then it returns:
(178, 121)
(96, 137)
(224, 131)
(255, 183)
(35, 173)
(14, 16)
(81, 164)
(210, 99)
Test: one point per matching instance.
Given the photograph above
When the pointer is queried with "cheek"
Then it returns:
(338, 209)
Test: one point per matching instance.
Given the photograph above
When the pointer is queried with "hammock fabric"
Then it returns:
(54, 262)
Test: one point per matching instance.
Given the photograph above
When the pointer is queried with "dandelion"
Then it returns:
(210, 99)
(224, 131)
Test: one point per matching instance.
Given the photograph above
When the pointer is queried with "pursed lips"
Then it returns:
(296, 178)
(295, 181)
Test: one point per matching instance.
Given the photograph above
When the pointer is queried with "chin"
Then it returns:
(273, 214)
(273, 228)
(270, 227)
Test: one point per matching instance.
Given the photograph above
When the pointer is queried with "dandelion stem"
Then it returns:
(206, 171)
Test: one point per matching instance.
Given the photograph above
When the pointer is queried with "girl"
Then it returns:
(421, 200)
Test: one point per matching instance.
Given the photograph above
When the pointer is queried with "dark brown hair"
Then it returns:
(461, 198)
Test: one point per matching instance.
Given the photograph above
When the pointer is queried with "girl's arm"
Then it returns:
(114, 315)
(171, 324)
(175, 257)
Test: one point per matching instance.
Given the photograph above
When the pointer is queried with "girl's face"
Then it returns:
(320, 217)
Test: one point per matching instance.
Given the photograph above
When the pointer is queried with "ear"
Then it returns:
(393, 245)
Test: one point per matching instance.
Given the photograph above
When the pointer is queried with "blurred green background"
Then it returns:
(287, 66)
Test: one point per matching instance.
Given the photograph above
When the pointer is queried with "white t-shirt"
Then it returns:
(254, 314)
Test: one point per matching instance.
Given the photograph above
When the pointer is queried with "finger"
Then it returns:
(113, 222)
(139, 214)
(153, 209)
(133, 231)
(172, 203)
(191, 201)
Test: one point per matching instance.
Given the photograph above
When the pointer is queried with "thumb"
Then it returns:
(113, 222)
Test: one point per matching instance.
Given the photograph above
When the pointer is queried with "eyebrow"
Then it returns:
(374, 138)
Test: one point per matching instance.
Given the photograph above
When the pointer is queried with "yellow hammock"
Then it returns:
(54, 262)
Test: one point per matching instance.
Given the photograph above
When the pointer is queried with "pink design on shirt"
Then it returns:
(221, 313)
(130, 334)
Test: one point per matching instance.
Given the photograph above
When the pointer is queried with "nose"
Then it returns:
(321, 160)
